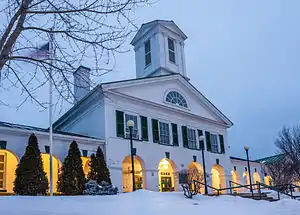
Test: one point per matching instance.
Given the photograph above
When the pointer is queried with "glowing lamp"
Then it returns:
(130, 123)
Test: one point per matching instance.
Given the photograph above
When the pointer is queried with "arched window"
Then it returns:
(176, 98)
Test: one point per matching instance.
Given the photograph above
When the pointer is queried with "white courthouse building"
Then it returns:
(169, 113)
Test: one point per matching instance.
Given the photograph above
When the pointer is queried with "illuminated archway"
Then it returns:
(85, 165)
(8, 164)
(56, 165)
(195, 172)
(256, 178)
(235, 177)
(298, 184)
(167, 176)
(218, 176)
(268, 180)
(246, 178)
(139, 173)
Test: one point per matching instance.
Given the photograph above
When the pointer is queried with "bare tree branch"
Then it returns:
(84, 31)
(288, 142)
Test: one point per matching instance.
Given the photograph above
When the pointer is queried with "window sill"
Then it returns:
(174, 63)
(134, 139)
(147, 66)
(219, 153)
(164, 144)
(197, 149)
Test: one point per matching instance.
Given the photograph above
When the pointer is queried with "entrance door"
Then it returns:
(138, 182)
(2, 171)
(166, 184)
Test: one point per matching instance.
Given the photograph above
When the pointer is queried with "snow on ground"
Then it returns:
(144, 203)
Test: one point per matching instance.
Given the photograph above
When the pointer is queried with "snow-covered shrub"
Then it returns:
(104, 188)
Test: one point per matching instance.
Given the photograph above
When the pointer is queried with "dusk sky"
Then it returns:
(242, 55)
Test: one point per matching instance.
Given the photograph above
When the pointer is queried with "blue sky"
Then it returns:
(242, 55)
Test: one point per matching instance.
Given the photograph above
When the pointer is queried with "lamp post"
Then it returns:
(130, 125)
(247, 153)
(201, 139)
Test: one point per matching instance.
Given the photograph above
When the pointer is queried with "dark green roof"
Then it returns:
(271, 159)
(38, 129)
(242, 159)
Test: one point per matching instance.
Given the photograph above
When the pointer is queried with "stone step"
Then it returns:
(250, 194)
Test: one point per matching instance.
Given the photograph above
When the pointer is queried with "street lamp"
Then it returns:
(249, 172)
(130, 125)
(201, 139)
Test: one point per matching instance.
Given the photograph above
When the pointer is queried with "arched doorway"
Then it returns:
(268, 180)
(256, 178)
(85, 165)
(56, 165)
(235, 177)
(218, 176)
(195, 172)
(139, 174)
(246, 178)
(298, 184)
(167, 176)
(8, 164)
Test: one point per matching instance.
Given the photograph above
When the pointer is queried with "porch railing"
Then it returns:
(257, 186)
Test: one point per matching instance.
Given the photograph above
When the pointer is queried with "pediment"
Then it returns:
(156, 89)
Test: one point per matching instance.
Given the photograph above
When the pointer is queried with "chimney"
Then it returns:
(81, 83)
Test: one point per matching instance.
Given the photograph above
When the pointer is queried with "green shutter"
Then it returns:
(221, 138)
(184, 136)
(201, 143)
(3, 144)
(155, 131)
(175, 134)
(144, 128)
(120, 123)
(208, 144)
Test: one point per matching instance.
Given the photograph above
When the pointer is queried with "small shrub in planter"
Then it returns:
(104, 188)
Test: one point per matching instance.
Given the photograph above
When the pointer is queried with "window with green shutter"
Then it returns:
(201, 143)
(184, 136)
(175, 134)
(144, 128)
(120, 123)
(221, 138)
(155, 131)
(208, 143)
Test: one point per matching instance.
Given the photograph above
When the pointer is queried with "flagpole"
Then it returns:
(51, 50)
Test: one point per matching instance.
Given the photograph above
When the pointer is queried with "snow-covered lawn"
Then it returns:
(145, 203)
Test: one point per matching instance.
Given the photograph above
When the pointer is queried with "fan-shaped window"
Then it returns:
(176, 98)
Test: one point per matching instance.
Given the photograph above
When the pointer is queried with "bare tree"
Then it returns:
(280, 171)
(81, 30)
(187, 180)
(288, 142)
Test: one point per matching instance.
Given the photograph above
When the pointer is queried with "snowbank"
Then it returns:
(144, 203)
